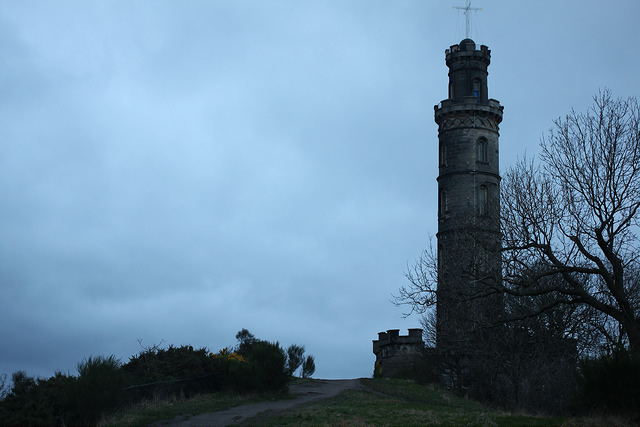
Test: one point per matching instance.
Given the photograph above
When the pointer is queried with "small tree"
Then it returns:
(295, 357)
(246, 341)
(308, 367)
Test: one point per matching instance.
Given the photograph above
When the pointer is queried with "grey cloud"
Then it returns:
(178, 171)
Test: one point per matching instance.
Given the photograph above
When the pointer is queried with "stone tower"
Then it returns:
(396, 355)
(468, 201)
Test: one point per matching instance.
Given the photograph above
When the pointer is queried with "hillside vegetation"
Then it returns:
(394, 402)
(380, 402)
(105, 386)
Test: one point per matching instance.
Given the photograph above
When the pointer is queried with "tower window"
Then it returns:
(476, 89)
(483, 203)
(444, 203)
(481, 150)
(443, 155)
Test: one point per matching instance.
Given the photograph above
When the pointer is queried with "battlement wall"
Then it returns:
(467, 47)
(391, 339)
(396, 353)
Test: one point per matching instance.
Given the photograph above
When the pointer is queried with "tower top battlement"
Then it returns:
(466, 45)
(467, 48)
(468, 72)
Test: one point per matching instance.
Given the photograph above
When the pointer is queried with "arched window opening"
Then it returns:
(481, 150)
(450, 90)
(444, 203)
(483, 200)
(443, 155)
(476, 89)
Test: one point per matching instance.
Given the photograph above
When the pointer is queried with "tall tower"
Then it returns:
(468, 201)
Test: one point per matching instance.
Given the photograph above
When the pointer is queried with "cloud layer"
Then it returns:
(179, 171)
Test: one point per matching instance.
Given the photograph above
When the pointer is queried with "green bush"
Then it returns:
(308, 367)
(269, 362)
(103, 383)
(174, 370)
(262, 366)
(99, 387)
(246, 340)
(40, 402)
(295, 357)
(377, 370)
(610, 383)
(265, 369)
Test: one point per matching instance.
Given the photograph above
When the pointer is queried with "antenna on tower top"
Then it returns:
(466, 9)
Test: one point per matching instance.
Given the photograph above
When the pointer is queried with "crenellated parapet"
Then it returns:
(395, 352)
(466, 50)
(468, 72)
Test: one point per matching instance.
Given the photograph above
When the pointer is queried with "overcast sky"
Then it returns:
(174, 171)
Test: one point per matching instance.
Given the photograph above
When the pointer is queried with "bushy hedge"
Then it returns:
(98, 387)
(610, 384)
(174, 370)
(103, 383)
(64, 399)
(40, 402)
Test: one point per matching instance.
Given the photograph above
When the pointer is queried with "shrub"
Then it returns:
(265, 370)
(246, 340)
(99, 387)
(174, 370)
(295, 357)
(230, 364)
(308, 367)
(377, 370)
(269, 361)
(103, 383)
(39, 402)
(610, 383)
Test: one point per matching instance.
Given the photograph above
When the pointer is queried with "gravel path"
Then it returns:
(305, 393)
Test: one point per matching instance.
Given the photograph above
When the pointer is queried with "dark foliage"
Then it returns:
(308, 367)
(610, 384)
(40, 402)
(265, 369)
(103, 383)
(4, 386)
(246, 340)
(98, 387)
(295, 357)
(174, 370)
(64, 399)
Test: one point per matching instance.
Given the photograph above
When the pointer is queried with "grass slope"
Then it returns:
(390, 402)
(148, 412)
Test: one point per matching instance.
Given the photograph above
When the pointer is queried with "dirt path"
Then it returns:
(311, 392)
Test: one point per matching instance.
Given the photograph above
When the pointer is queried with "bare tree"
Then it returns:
(4, 387)
(421, 292)
(576, 217)
(569, 228)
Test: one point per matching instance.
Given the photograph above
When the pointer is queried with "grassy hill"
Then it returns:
(381, 402)
(390, 402)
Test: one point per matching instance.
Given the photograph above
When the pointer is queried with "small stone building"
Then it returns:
(396, 354)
